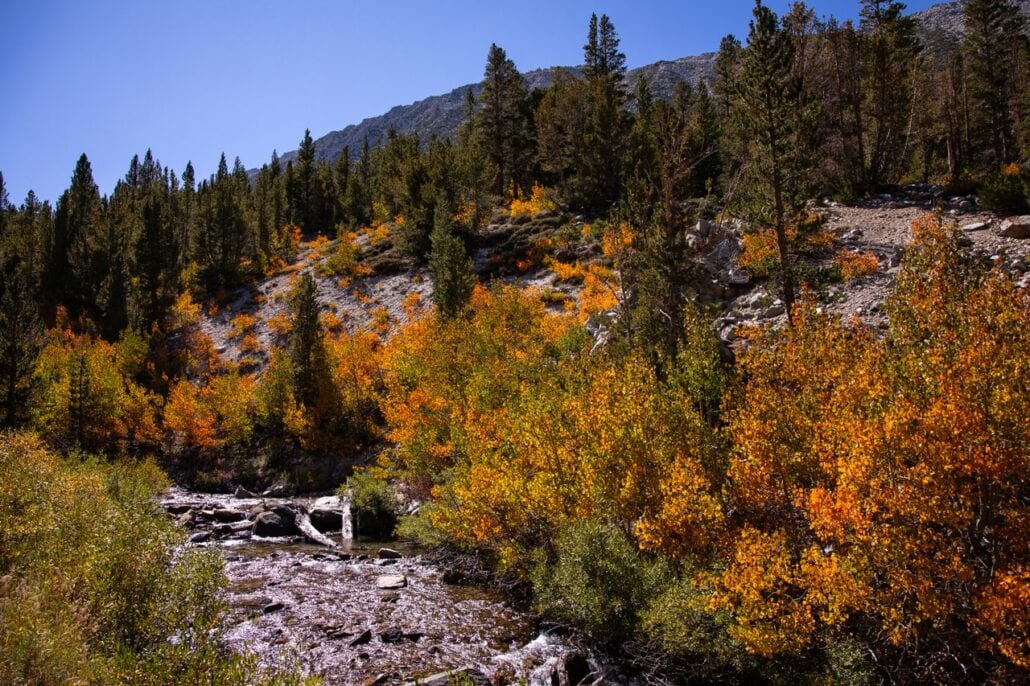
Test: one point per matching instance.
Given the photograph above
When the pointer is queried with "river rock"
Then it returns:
(272, 607)
(389, 554)
(1016, 227)
(362, 638)
(391, 582)
(976, 226)
(224, 514)
(571, 670)
(397, 635)
(200, 537)
(242, 493)
(270, 524)
(461, 675)
(327, 514)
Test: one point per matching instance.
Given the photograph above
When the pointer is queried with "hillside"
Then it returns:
(441, 115)
(940, 27)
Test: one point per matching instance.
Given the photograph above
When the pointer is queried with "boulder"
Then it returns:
(1016, 227)
(389, 554)
(200, 537)
(272, 607)
(224, 514)
(271, 524)
(362, 638)
(391, 582)
(397, 635)
(737, 276)
(571, 670)
(327, 514)
(243, 493)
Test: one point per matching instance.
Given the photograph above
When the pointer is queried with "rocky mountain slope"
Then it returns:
(943, 26)
(442, 115)
(940, 27)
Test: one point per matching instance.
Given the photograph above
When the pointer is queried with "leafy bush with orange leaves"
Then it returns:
(881, 479)
(213, 414)
(443, 376)
(854, 264)
(242, 325)
(540, 200)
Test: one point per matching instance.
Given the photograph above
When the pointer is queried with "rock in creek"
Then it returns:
(271, 524)
(389, 554)
(391, 582)
(242, 493)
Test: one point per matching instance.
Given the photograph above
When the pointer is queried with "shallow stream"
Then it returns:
(325, 610)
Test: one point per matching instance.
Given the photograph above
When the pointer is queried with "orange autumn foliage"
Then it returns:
(881, 476)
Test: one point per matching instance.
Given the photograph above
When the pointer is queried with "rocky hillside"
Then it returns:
(940, 27)
(442, 115)
(550, 254)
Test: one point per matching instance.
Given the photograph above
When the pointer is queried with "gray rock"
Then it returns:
(272, 607)
(243, 493)
(738, 277)
(1016, 227)
(391, 582)
(774, 311)
(397, 635)
(976, 226)
(224, 514)
(389, 554)
(270, 524)
(724, 252)
(362, 638)
(461, 675)
(200, 537)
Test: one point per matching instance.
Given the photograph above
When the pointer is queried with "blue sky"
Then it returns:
(192, 79)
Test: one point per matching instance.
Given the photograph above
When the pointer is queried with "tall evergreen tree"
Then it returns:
(891, 49)
(994, 31)
(776, 119)
(505, 121)
(312, 378)
(453, 278)
(607, 123)
(74, 270)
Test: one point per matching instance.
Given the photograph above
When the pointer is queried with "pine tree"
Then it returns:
(776, 118)
(607, 123)
(302, 193)
(505, 121)
(891, 49)
(475, 172)
(453, 278)
(994, 29)
(312, 380)
(21, 334)
(74, 272)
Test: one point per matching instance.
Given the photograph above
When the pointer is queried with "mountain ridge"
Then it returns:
(940, 27)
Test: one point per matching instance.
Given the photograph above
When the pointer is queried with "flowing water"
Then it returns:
(323, 609)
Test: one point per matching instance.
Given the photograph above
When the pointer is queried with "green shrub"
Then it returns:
(95, 584)
(374, 505)
(598, 581)
(1005, 192)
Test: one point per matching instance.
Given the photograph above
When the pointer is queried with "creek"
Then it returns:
(359, 612)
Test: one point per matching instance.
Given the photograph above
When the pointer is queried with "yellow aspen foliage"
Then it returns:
(441, 375)
(83, 395)
(540, 200)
